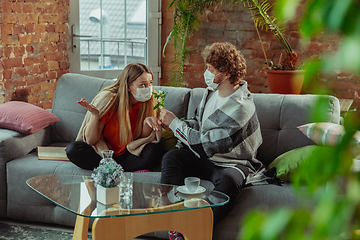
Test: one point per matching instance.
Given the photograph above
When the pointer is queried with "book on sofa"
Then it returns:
(52, 153)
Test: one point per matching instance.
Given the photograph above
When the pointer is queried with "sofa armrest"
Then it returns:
(14, 145)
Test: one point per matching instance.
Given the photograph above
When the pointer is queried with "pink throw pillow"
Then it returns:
(25, 117)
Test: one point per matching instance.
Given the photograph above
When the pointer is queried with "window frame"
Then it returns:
(153, 39)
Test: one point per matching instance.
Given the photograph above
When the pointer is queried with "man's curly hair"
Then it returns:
(226, 58)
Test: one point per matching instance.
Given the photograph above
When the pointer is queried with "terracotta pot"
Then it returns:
(285, 81)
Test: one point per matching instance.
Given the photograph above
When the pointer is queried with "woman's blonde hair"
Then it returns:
(121, 102)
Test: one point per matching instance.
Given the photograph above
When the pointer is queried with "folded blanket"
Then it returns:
(135, 147)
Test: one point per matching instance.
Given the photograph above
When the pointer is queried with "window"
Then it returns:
(106, 35)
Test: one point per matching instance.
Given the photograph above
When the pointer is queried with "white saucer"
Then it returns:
(184, 190)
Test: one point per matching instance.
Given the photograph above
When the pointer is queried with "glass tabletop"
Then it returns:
(77, 194)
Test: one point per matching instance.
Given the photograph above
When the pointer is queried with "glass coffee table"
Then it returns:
(148, 208)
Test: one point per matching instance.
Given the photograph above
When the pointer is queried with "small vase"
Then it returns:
(106, 156)
(107, 195)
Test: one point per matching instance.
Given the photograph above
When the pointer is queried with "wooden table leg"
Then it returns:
(194, 224)
(81, 228)
(82, 223)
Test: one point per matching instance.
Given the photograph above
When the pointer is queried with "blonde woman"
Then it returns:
(118, 115)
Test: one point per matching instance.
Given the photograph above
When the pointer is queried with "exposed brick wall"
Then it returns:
(33, 48)
(234, 24)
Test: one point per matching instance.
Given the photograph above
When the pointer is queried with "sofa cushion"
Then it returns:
(24, 203)
(24, 117)
(177, 99)
(69, 89)
(168, 141)
(262, 197)
(279, 117)
(286, 164)
(330, 134)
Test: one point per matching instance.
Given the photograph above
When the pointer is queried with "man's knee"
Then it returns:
(229, 183)
(169, 157)
(179, 158)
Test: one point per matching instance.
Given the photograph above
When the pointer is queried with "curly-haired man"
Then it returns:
(221, 142)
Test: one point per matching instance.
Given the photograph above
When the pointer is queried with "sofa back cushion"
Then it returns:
(177, 99)
(72, 87)
(69, 89)
(279, 116)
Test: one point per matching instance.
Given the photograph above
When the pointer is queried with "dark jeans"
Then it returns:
(181, 163)
(84, 156)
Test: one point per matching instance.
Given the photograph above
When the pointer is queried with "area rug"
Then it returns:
(11, 231)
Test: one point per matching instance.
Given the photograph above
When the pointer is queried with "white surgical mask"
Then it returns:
(143, 94)
(209, 79)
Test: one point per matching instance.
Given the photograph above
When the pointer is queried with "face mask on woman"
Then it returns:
(142, 94)
(209, 79)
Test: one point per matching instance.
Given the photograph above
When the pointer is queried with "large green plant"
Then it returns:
(333, 186)
(263, 20)
(186, 22)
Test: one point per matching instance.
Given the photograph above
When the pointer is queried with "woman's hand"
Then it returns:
(94, 127)
(153, 122)
(166, 117)
(88, 106)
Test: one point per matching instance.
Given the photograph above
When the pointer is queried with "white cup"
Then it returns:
(192, 183)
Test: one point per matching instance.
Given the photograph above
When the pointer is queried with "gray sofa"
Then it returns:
(279, 117)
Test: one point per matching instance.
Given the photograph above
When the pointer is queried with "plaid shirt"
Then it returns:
(229, 137)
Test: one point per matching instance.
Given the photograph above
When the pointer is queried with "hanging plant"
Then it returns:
(263, 20)
(186, 22)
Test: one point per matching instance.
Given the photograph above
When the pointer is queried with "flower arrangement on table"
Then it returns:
(108, 174)
(107, 178)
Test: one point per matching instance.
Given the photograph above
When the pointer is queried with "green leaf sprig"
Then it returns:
(161, 98)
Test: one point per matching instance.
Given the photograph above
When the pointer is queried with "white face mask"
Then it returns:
(209, 79)
(143, 94)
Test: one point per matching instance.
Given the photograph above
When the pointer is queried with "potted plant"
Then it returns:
(107, 177)
(186, 21)
(283, 78)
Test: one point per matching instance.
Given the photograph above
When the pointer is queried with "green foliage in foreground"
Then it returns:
(326, 178)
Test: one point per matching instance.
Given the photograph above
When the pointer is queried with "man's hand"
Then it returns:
(166, 127)
(166, 117)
